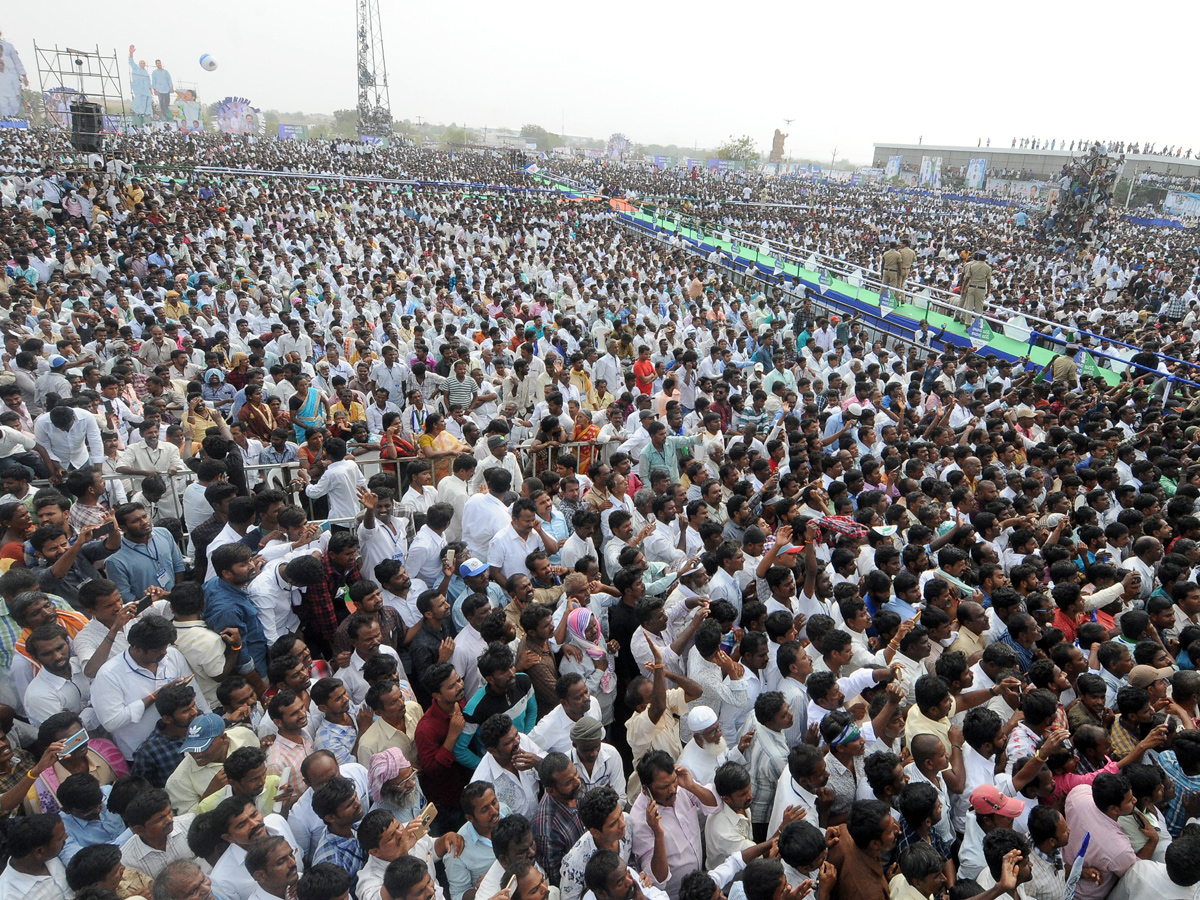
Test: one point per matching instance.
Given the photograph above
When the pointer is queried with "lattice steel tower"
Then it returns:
(374, 107)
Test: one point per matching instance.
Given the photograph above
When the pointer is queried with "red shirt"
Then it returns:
(442, 776)
(644, 369)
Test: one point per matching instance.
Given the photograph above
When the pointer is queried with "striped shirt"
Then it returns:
(461, 392)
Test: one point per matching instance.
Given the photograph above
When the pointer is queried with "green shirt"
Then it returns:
(666, 458)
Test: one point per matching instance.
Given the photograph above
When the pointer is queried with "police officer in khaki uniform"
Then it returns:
(907, 257)
(976, 276)
(891, 266)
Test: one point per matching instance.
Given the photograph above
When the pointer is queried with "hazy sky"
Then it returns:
(849, 74)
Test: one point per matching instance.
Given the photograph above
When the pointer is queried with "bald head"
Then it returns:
(925, 748)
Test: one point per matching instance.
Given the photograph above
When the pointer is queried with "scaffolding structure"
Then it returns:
(374, 105)
(67, 76)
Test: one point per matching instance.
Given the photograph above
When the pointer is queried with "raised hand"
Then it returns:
(653, 819)
(1008, 870)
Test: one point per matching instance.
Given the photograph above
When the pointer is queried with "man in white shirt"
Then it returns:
(123, 690)
(68, 438)
(510, 548)
(278, 590)
(239, 823)
(339, 479)
(60, 684)
(505, 747)
(803, 786)
(21, 878)
(367, 637)
(272, 864)
(424, 561)
(664, 543)
(455, 491)
(708, 750)
(553, 731)
(380, 534)
(421, 493)
(159, 837)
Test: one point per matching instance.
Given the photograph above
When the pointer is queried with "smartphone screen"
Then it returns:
(104, 530)
(73, 743)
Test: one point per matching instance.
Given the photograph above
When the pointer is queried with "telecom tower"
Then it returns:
(374, 107)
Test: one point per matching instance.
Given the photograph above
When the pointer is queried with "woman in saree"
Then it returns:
(283, 418)
(308, 407)
(16, 524)
(585, 430)
(311, 448)
(439, 445)
(256, 415)
(393, 444)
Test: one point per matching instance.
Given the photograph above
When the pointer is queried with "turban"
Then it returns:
(385, 766)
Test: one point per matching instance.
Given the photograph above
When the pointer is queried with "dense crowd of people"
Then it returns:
(403, 543)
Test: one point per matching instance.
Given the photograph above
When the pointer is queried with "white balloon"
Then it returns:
(208, 63)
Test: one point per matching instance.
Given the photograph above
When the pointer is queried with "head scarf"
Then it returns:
(211, 372)
(238, 359)
(385, 766)
(578, 621)
(848, 735)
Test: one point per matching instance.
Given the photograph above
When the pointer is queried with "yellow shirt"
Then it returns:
(918, 723)
(645, 735)
(382, 736)
(355, 413)
(264, 801)
(190, 780)
(967, 642)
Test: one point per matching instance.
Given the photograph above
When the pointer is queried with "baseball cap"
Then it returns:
(1144, 676)
(472, 567)
(56, 361)
(202, 732)
(1025, 412)
(987, 800)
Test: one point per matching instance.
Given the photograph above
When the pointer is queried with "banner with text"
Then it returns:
(293, 132)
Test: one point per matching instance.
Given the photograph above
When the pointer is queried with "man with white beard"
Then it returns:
(394, 784)
(707, 750)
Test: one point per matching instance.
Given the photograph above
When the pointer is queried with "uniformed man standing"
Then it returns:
(891, 266)
(976, 276)
(907, 257)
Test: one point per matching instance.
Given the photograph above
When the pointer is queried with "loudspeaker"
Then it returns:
(85, 127)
